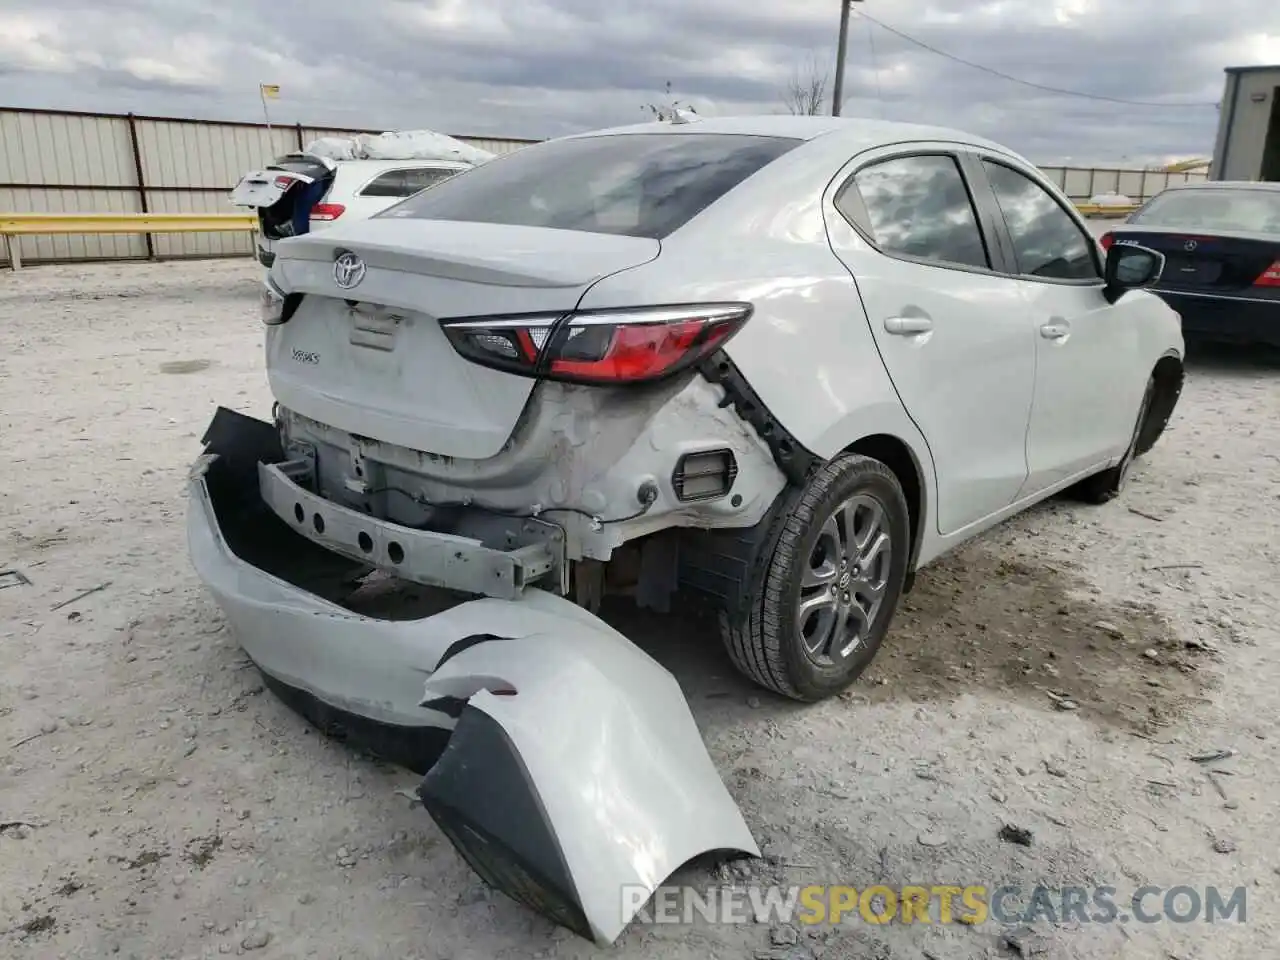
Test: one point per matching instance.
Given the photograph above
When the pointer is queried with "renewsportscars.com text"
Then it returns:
(938, 904)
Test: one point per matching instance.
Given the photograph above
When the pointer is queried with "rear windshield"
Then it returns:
(637, 185)
(1211, 208)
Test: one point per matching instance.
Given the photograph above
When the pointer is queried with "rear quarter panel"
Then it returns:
(807, 350)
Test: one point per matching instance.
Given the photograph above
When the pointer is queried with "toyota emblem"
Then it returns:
(1189, 246)
(348, 270)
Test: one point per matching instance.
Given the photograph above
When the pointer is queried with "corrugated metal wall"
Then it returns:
(1081, 183)
(111, 163)
(52, 161)
(41, 154)
(1246, 125)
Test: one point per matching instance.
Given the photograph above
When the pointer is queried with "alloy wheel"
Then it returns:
(843, 583)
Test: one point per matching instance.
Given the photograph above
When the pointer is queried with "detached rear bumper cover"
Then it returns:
(587, 785)
(580, 781)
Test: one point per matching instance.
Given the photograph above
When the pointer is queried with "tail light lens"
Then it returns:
(1106, 241)
(276, 306)
(327, 211)
(284, 181)
(632, 345)
(1270, 277)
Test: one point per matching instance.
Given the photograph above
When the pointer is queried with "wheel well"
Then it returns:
(896, 455)
(722, 564)
(1168, 376)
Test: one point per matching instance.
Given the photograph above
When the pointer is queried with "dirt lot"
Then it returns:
(156, 802)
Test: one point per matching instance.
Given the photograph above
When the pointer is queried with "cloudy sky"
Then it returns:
(539, 68)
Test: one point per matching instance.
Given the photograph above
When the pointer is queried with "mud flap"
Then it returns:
(576, 780)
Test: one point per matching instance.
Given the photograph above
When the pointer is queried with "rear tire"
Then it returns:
(821, 600)
(1109, 484)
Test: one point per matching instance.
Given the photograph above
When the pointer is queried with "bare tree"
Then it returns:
(806, 93)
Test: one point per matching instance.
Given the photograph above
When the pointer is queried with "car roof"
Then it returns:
(1269, 186)
(856, 133)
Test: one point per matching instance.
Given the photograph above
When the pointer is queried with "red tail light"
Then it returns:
(632, 345)
(284, 181)
(327, 211)
(1270, 277)
(1106, 240)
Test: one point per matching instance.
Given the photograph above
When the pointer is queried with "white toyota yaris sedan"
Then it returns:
(776, 362)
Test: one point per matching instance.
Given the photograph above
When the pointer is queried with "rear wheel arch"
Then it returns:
(898, 456)
(765, 632)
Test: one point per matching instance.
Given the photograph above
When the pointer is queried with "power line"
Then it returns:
(875, 67)
(1026, 83)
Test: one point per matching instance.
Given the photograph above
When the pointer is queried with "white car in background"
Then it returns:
(343, 179)
(781, 363)
(352, 190)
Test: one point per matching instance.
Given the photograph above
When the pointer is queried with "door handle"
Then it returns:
(907, 326)
(1056, 331)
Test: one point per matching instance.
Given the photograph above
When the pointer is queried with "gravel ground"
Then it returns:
(155, 802)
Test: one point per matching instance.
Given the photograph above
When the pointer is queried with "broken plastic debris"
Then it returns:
(578, 806)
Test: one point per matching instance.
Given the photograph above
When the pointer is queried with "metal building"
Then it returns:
(1248, 145)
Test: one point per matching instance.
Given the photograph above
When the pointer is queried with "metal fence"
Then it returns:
(1082, 183)
(58, 161)
(67, 162)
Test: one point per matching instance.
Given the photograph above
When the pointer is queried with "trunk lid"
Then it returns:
(275, 191)
(1217, 261)
(372, 360)
(262, 188)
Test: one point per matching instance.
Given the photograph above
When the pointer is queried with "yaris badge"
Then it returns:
(348, 271)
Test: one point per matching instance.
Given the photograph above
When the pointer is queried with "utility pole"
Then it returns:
(837, 92)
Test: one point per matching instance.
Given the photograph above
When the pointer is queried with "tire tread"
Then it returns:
(754, 637)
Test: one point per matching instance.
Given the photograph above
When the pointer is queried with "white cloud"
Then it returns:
(545, 67)
(28, 42)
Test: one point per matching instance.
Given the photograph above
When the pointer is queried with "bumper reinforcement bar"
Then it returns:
(427, 557)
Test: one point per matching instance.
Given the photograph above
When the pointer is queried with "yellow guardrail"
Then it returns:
(1106, 209)
(13, 225)
(1186, 166)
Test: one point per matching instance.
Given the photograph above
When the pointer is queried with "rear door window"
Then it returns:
(404, 183)
(639, 185)
(917, 207)
(423, 177)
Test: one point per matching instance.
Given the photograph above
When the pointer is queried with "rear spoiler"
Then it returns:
(313, 167)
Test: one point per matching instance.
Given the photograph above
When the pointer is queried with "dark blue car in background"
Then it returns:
(1221, 242)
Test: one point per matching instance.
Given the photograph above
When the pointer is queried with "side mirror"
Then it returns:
(1130, 267)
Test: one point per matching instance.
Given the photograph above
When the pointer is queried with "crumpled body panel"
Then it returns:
(572, 771)
(598, 779)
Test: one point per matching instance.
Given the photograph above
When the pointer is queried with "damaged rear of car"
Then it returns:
(539, 729)
(455, 424)
(436, 370)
